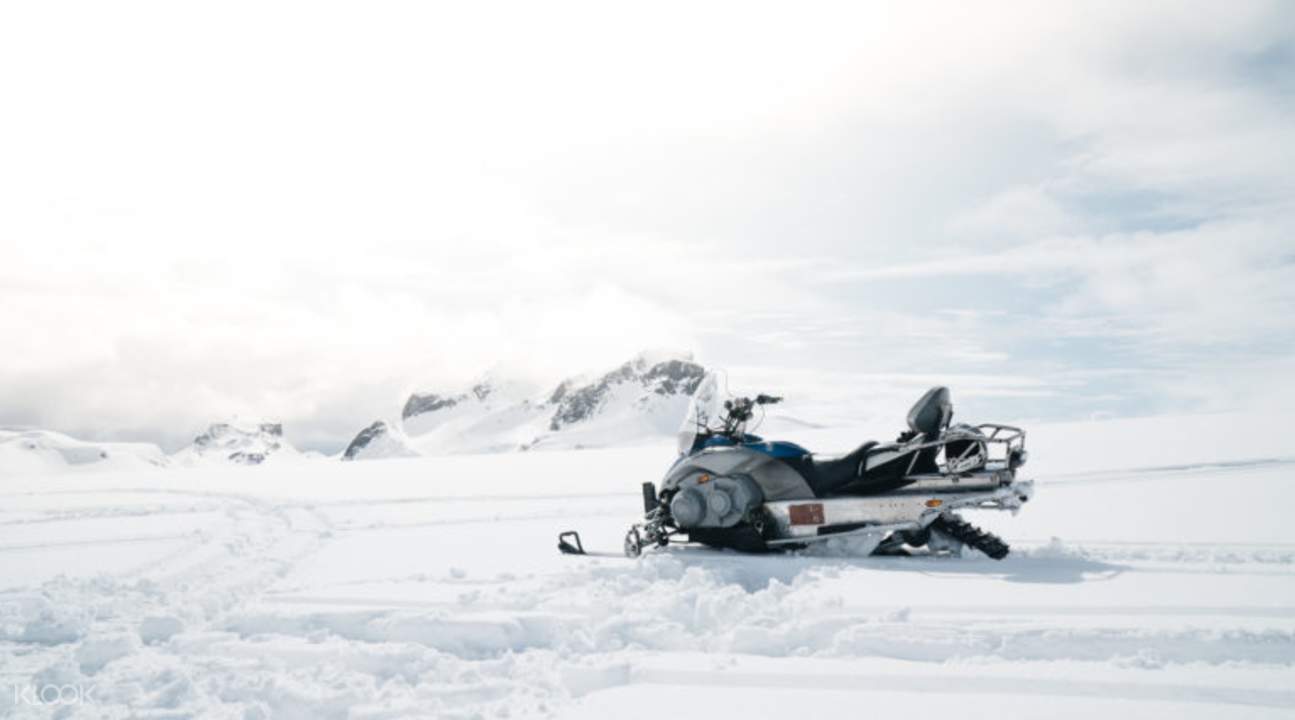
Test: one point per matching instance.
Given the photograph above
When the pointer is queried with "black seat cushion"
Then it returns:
(849, 475)
(826, 475)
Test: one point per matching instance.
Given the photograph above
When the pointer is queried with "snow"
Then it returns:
(1153, 576)
(31, 451)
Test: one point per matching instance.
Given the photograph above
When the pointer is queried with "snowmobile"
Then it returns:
(733, 489)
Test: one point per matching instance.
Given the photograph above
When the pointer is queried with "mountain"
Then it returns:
(642, 399)
(238, 442)
(378, 440)
(31, 451)
(641, 378)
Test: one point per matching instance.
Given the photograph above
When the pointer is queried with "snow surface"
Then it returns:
(1152, 576)
(28, 451)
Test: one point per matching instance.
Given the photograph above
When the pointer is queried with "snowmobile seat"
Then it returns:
(826, 474)
(874, 468)
(869, 470)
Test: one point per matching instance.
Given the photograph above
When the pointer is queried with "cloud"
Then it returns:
(304, 210)
(1231, 281)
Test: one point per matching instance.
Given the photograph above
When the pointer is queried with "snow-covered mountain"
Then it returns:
(641, 400)
(494, 415)
(646, 398)
(240, 442)
(377, 441)
(32, 451)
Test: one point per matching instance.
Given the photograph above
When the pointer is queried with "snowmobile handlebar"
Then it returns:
(741, 409)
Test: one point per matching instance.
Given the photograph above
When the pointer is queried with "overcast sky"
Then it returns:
(304, 210)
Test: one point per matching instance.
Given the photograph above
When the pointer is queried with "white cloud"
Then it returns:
(304, 210)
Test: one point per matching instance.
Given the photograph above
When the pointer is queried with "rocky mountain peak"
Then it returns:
(378, 440)
(674, 376)
(237, 441)
(487, 389)
(364, 439)
(641, 397)
(419, 403)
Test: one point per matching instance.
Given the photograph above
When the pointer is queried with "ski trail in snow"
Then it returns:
(114, 616)
(854, 683)
(392, 602)
(1152, 473)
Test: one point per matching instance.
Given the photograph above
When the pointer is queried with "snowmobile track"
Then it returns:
(972, 536)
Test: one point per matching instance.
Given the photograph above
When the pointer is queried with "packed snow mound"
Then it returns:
(31, 451)
(238, 442)
(641, 400)
(378, 440)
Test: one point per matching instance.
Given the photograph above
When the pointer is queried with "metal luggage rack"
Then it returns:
(1012, 438)
(991, 435)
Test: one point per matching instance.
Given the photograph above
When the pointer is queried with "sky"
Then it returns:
(303, 211)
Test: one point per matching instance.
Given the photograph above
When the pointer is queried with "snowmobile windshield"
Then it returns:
(705, 411)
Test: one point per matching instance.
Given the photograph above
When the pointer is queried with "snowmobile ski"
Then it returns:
(569, 543)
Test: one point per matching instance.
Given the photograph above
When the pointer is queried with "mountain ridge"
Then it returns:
(637, 401)
(641, 398)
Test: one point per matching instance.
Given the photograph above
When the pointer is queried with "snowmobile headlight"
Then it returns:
(934, 503)
(719, 503)
(688, 508)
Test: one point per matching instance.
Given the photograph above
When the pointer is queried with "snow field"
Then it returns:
(432, 587)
